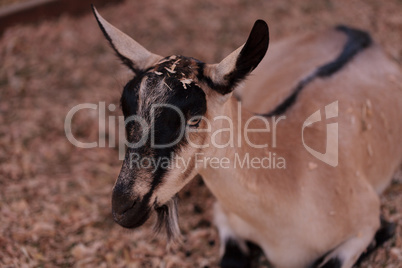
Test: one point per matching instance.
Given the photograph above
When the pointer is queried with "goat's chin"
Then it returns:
(168, 219)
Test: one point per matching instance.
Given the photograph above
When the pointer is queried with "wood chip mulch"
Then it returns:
(55, 198)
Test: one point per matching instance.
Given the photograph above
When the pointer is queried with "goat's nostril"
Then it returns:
(129, 214)
(122, 200)
(122, 206)
(120, 212)
(129, 207)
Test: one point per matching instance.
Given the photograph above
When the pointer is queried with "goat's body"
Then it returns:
(366, 89)
(309, 209)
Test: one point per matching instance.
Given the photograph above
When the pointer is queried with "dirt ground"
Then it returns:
(55, 198)
(10, 2)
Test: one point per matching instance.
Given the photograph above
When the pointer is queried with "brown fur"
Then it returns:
(316, 209)
(310, 208)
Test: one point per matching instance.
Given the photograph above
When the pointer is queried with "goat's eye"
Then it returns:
(194, 121)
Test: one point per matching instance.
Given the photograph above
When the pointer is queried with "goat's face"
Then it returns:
(168, 106)
(166, 103)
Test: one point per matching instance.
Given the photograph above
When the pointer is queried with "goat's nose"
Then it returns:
(121, 200)
(127, 211)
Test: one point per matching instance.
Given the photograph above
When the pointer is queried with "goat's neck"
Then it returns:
(234, 186)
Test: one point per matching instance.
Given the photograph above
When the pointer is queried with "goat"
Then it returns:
(308, 209)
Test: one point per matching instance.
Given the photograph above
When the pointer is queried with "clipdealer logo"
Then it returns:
(330, 156)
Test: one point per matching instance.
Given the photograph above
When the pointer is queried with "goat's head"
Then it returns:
(167, 106)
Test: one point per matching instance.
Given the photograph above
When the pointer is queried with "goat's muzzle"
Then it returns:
(127, 211)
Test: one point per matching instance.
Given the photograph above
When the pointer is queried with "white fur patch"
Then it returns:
(168, 219)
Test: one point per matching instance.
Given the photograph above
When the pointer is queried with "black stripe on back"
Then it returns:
(357, 41)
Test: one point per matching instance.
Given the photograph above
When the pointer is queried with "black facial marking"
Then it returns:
(173, 81)
(191, 101)
(357, 42)
(129, 212)
(129, 97)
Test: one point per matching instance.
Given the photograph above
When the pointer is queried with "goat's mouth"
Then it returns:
(136, 214)
(132, 216)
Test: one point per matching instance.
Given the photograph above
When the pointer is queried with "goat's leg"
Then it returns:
(386, 232)
(233, 250)
(346, 255)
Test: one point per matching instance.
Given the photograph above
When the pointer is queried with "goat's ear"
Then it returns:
(135, 56)
(224, 76)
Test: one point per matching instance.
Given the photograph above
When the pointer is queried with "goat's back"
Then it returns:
(369, 94)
